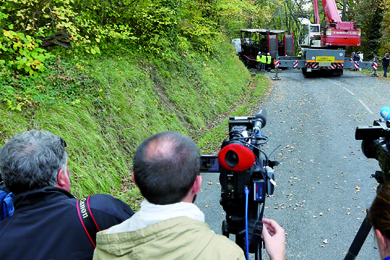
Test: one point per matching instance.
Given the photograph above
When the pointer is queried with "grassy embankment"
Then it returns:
(129, 97)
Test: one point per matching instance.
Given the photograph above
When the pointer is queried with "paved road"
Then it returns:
(324, 185)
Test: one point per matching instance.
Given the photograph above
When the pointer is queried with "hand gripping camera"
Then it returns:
(246, 177)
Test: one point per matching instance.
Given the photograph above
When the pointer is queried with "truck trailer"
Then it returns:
(275, 42)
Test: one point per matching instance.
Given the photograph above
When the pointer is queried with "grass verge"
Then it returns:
(126, 97)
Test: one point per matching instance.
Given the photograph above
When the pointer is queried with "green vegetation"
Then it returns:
(105, 106)
(29, 29)
(105, 75)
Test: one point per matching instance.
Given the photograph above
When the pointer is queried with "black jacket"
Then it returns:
(46, 225)
(385, 61)
(356, 57)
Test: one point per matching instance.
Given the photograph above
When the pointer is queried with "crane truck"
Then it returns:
(323, 49)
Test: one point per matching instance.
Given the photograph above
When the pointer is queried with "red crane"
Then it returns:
(323, 50)
(337, 32)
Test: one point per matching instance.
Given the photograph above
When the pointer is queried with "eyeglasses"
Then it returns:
(63, 143)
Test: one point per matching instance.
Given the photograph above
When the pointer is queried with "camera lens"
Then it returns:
(231, 159)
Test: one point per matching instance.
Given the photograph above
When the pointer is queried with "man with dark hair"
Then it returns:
(385, 64)
(169, 226)
(46, 222)
(355, 57)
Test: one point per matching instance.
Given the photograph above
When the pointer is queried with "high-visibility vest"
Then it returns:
(263, 59)
(269, 58)
(258, 59)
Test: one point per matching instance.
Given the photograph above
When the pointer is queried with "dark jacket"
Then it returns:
(46, 225)
(385, 61)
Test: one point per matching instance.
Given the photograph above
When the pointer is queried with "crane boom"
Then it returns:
(331, 12)
(316, 16)
(336, 32)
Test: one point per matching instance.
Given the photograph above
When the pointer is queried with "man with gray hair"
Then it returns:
(46, 223)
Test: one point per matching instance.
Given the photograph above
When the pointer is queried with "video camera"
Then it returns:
(376, 144)
(246, 177)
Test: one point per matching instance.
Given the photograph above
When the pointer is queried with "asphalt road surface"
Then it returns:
(323, 181)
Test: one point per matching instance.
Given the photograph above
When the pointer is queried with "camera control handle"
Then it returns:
(270, 175)
(260, 120)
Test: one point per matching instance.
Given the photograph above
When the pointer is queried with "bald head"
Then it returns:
(160, 148)
(165, 167)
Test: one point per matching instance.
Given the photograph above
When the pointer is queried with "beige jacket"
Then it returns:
(176, 238)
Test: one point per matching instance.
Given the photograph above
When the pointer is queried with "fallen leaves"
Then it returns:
(357, 189)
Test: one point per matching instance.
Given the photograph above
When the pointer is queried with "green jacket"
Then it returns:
(176, 238)
(269, 59)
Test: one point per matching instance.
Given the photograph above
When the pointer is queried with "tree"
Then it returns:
(369, 15)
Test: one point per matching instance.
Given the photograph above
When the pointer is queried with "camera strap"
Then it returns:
(258, 226)
(257, 230)
(87, 220)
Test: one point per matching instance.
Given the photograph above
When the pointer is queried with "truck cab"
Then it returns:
(310, 34)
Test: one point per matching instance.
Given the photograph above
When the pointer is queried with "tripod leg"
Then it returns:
(358, 240)
(258, 252)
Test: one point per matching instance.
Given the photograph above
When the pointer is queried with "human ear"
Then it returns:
(197, 184)
(133, 179)
(63, 180)
(382, 239)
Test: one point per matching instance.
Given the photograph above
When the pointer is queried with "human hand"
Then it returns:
(274, 239)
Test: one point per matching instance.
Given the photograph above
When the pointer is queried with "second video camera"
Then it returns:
(376, 144)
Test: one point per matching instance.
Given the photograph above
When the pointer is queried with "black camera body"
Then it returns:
(245, 172)
(233, 182)
(376, 145)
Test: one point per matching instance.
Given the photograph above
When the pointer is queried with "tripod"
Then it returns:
(364, 229)
(234, 225)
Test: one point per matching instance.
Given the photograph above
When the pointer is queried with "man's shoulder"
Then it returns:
(221, 247)
(103, 197)
(196, 228)
(105, 201)
(108, 204)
